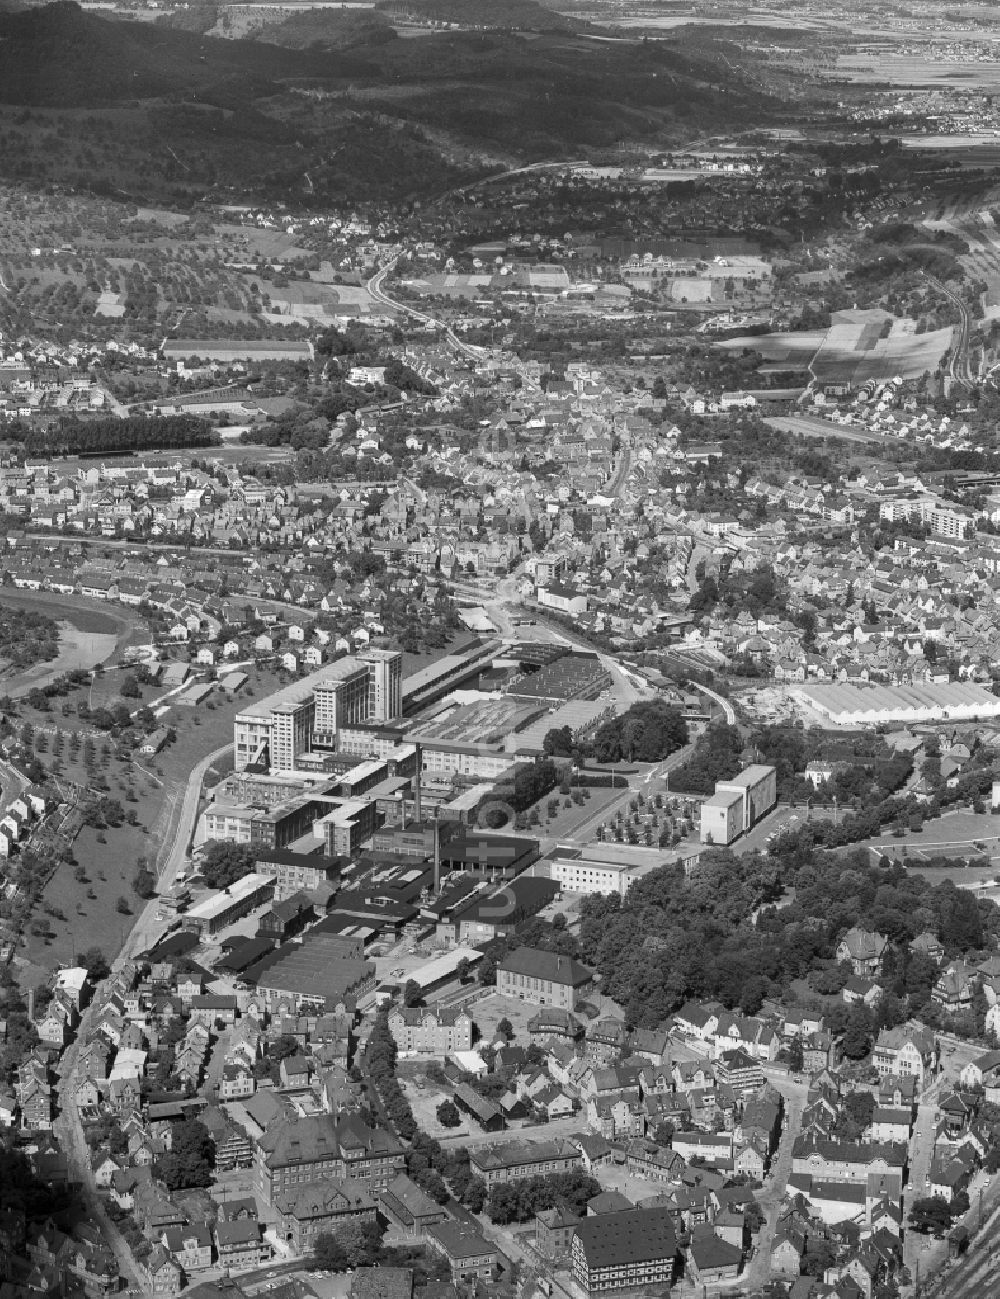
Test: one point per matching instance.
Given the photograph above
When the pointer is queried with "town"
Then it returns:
(499, 707)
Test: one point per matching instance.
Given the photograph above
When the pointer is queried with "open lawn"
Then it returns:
(151, 787)
(567, 819)
(86, 896)
(955, 834)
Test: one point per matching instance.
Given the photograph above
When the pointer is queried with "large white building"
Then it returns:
(600, 872)
(275, 732)
(738, 804)
(851, 705)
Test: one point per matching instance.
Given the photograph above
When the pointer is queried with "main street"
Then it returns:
(772, 1197)
(144, 932)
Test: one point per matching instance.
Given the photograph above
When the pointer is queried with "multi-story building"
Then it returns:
(315, 1208)
(294, 872)
(434, 1032)
(470, 1255)
(238, 1243)
(275, 732)
(385, 685)
(513, 1160)
(347, 825)
(909, 1051)
(738, 804)
(409, 1210)
(270, 828)
(626, 1252)
(581, 873)
(545, 978)
(320, 1147)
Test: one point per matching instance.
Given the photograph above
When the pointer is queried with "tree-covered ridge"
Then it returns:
(717, 935)
(26, 638)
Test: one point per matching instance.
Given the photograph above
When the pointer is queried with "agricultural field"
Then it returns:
(103, 271)
(853, 349)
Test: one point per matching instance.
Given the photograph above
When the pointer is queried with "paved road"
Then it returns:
(375, 289)
(723, 703)
(772, 1196)
(921, 1153)
(144, 932)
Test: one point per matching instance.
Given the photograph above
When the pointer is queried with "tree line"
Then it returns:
(72, 436)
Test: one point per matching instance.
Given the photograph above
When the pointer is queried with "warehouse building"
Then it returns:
(220, 910)
(849, 705)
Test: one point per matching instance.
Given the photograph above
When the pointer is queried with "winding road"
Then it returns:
(375, 289)
(958, 363)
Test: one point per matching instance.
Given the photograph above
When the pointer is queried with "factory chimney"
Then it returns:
(416, 806)
(437, 854)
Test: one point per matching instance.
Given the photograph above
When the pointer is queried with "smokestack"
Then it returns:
(31, 1005)
(416, 806)
(402, 810)
(437, 854)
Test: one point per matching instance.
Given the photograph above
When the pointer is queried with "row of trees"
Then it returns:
(72, 436)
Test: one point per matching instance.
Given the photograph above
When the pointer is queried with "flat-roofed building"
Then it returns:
(578, 872)
(385, 684)
(346, 826)
(295, 871)
(275, 732)
(271, 827)
(738, 804)
(722, 817)
(757, 787)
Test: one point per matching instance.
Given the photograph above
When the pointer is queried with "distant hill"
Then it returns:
(328, 29)
(516, 15)
(329, 105)
(59, 55)
(316, 29)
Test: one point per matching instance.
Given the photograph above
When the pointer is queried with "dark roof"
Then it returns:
(246, 952)
(484, 1110)
(407, 1201)
(292, 907)
(460, 1240)
(171, 948)
(285, 857)
(711, 1251)
(632, 1236)
(536, 964)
